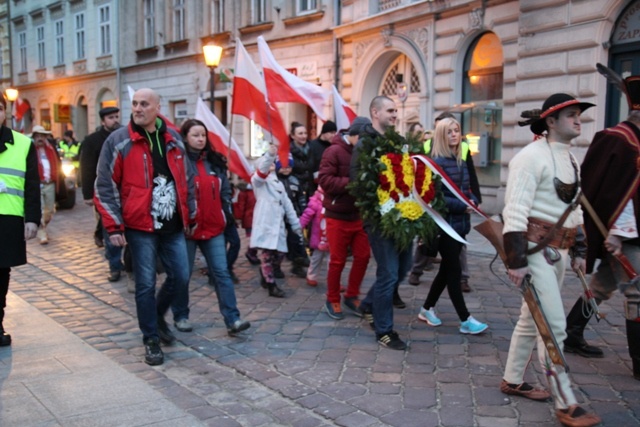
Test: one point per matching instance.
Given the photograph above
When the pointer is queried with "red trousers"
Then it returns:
(342, 235)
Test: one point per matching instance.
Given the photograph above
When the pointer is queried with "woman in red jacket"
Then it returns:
(213, 195)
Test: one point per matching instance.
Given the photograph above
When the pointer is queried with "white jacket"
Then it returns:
(272, 208)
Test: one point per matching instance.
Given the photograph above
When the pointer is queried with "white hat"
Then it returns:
(39, 129)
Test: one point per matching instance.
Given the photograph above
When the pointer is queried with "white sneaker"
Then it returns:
(429, 316)
(472, 326)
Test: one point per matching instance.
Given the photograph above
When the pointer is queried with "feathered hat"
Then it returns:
(629, 86)
(556, 102)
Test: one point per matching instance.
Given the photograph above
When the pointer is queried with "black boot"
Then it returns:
(576, 322)
(5, 338)
(633, 338)
(275, 291)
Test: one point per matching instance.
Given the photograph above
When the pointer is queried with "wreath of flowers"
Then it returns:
(384, 188)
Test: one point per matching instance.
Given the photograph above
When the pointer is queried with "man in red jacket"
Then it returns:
(145, 195)
(344, 226)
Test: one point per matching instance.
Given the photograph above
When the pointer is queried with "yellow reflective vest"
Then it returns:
(13, 169)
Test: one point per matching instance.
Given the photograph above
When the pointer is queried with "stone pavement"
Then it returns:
(82, 363)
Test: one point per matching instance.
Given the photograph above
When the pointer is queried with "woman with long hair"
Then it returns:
(447, 153)
(213, 196)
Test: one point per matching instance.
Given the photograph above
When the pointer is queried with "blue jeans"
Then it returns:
(113, 254)
(392, 267)
(232, 238)
(214, 252)
(172, 250)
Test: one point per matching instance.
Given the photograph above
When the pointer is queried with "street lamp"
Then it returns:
(212, 54)
(11, 94)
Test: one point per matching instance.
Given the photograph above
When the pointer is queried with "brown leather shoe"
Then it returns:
(464, 284)
(524, 390)
(568, 417)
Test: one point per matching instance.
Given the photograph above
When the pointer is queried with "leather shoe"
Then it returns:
(114, 275)
(397, 301)
(581, 347)
(98, 241)
(575, 416)
(464, 284)
(525, 390)
(5, 339)
(414, 279)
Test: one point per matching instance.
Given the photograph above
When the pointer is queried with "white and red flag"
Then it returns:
(282, 86)
(250, 100)
(344, 114)
(223, 143)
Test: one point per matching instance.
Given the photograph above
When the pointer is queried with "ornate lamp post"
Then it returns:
(11, 94)
(212, 54)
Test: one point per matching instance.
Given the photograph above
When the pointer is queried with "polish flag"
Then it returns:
(282, 86)
(250, 100)
(222, 142)
(344, 114)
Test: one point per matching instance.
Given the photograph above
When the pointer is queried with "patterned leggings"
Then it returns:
(271, 259)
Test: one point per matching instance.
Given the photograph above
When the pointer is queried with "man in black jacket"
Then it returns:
(89, 155)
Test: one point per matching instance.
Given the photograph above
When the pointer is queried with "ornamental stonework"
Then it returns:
(420, 36)
(476, 18)
(360, 50)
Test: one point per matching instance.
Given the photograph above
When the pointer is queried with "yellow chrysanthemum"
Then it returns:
(383, 196)
(407, 169)
(410, 209)
(428, 176)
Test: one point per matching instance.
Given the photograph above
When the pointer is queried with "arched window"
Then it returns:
(482, 93)
(402, 78)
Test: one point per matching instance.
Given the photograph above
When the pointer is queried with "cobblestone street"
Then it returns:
(297, 367)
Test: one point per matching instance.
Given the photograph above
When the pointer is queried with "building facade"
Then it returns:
(483, 60)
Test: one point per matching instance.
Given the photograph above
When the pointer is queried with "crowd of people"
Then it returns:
(163, 194)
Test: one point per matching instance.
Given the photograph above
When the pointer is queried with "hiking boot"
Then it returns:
(183, 325)
(392, 340)
(414, 279)
(472, 326)
(153, 353)
(277, 272)
(164, 332)
(238, 326)
(397, 301)
(525, 390)
(575, 416)
(429, 316)
(353, 304)
(334, 310)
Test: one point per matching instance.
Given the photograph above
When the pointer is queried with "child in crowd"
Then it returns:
(313, 216)
(296, 250)
(272, 211)
(243, 206)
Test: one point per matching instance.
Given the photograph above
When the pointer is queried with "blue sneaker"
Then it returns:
(472, 326)
(334, 310)
(429, 316)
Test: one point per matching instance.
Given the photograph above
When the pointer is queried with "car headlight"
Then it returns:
(68, 169)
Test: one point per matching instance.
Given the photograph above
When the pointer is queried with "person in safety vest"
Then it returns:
(19, 205)
(70, 148)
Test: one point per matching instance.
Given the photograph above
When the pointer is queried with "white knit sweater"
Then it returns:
(530, 191)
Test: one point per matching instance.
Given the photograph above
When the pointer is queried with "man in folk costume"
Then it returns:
(610, 182)
(540, 201)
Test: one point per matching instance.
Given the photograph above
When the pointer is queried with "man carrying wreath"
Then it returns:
(393, 263)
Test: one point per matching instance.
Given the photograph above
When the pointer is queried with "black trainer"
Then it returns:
(164, 332)
(392, 340)
(153, 353)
